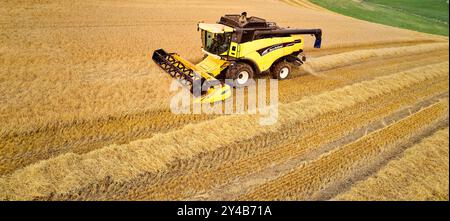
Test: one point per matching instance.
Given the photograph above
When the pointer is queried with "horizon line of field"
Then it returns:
(398, 84)
(183, 122)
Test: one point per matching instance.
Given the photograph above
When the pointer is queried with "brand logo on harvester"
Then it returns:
(273, 48)
(264, 51)
(259, 98)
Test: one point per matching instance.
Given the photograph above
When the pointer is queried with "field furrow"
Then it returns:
(303, 182)
(369, 169)
(420, 173)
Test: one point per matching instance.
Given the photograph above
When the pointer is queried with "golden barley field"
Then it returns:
(84, 111)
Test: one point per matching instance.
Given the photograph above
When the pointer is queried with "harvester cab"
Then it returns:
(237, 48)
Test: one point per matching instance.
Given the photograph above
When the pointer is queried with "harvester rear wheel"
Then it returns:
(281, 70)
(241, 74)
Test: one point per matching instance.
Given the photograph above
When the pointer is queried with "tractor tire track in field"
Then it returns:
(116, 188)
(83, 137)
(338, 164)
(429, 158)
(366, 171)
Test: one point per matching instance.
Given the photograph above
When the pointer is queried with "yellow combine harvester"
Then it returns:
(237, 48)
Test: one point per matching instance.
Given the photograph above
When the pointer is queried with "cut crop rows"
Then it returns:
(148, 157)
(304, 181)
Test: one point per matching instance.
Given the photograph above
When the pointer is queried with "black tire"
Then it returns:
(241, 73)
(281, 70)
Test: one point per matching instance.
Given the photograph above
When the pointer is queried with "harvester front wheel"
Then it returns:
(241, 73)
(281, 70)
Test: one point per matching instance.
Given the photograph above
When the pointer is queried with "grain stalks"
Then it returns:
(69, 171)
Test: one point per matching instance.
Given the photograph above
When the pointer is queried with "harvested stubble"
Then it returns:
(302, 182)
(86, 136)
(70, 171)
(420, 173)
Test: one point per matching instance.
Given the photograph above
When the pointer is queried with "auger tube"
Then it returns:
(316, 32)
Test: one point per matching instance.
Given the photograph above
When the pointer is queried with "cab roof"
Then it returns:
(215, 28)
